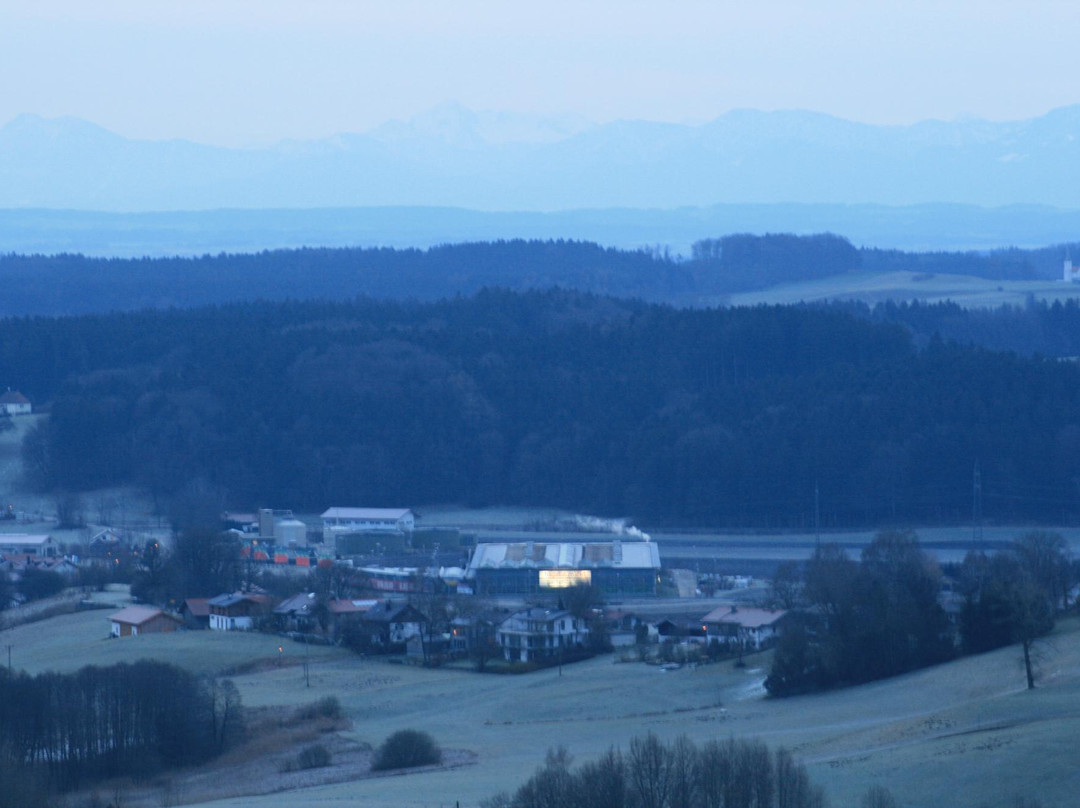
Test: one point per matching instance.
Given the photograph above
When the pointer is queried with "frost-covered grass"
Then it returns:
(967, 729)
(872, 287)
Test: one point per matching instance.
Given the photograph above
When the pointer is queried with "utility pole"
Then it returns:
(976, 507)
(817, 514)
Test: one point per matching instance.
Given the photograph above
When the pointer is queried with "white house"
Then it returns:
(538, 633)
(1071, 274)
(14, 403)
(749, 626)
(360, 520)
(236, 612)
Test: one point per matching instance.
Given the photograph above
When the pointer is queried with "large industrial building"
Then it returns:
(525, 567)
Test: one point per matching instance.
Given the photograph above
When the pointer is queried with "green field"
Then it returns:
(875, 287)
(959, 734)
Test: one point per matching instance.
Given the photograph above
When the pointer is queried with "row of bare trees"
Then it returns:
(718, 774)
(123, 720)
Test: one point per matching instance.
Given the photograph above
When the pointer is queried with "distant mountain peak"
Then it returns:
(31, 124)
(457, 125)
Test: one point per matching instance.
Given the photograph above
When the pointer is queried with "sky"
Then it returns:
(242, 73)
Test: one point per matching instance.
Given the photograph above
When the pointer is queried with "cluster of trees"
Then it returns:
(725, 417)
(742, 262)
(203, 562)
(719, 774)
(75, 284)
(1014, 596)
(880, 616)
(1039, 327)
(32, 584)
(66, 730)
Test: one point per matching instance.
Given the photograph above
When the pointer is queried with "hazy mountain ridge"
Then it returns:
(167, 233)
(496, 161)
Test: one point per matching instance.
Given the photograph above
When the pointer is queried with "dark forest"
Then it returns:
(719, 417)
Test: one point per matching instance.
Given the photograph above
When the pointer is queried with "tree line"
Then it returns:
(860, 621)
(726, 417)
(76, 284)
(735, 773)
(67, 730)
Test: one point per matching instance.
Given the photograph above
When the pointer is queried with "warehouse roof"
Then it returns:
(616, 554)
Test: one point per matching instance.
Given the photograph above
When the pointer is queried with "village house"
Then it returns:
(343, 612)
(12, 402)
(747, 626)
(538, 633)
(680, 629)
(237, 612)
(387, 626)
(135, 620)
(195, 612)
(298, 613)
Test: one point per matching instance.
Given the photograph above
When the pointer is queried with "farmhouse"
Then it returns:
(387, 626)
(298, 613)
(539, 633)
(343, 612)
(195, 612)
(30, 544)
(135, 620)
(13, 402)
(360, 520)
(750, 627)
(236, 612)
(530, 567)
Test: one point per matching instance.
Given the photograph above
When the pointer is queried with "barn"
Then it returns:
(135, 620)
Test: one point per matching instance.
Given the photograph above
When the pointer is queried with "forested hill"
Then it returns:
(724, 417)
(74, 284)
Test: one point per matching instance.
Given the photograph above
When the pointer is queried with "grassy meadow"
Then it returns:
(875, 287)
(966, 733)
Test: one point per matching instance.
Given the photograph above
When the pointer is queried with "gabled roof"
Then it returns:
(365, 513)
(237, 597)
(198, 607)
(744, 616)
(13, 397)
(302, 603)
(537, 613)
(389, 612)
(345, 606)
(137, 615)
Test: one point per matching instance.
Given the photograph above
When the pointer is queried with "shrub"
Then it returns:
(327, 707)
(313, 757)
(405, 749)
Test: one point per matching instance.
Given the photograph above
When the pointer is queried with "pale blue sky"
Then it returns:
(231, 72)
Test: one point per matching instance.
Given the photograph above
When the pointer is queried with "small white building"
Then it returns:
(28, 543)
(236, 612)
(1071, 273)
(13, 402)
(539, 633)
(361, 520)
